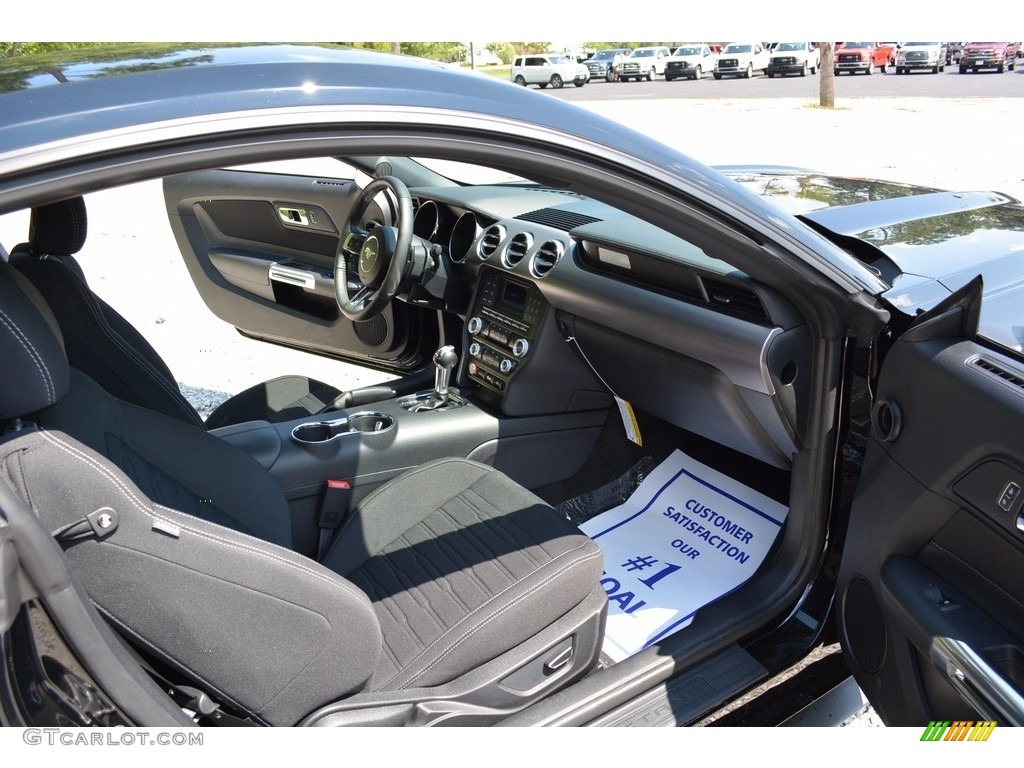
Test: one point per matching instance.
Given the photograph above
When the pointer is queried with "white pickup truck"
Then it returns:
(645, 63)
(742, 60)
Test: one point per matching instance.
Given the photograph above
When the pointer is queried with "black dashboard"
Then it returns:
(573, 301)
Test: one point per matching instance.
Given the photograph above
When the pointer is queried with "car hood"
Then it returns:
(920, 238)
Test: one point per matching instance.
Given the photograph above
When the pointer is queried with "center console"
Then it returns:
(503, 326)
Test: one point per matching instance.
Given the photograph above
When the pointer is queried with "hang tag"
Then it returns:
(629, 421)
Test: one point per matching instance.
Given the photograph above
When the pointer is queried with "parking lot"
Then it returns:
(949, 84)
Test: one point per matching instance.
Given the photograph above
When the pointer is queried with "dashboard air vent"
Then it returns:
(545, 258)
(490, 241)
(516, 249)
(1010, 377)
(558, 218)
(735, 299)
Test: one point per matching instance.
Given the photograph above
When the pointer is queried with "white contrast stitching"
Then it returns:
(22, 339)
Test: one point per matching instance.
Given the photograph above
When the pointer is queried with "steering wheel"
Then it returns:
(381, 254)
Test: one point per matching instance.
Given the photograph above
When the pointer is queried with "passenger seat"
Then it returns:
(106, 347)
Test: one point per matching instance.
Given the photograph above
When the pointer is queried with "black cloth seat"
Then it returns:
(449, 581)
(104, 346)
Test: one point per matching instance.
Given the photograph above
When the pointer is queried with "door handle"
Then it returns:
(979, 683)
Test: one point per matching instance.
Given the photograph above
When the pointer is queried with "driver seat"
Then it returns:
(451, 593)
(106, 347)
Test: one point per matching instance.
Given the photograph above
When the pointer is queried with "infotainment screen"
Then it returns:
(513, 298)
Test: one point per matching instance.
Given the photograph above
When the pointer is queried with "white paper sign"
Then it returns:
(686, 537)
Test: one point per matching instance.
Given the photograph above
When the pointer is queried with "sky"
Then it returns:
(465, 20)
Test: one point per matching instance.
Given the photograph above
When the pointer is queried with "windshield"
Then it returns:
(857, 45)
(791, 47)
(687, 51)
(737, 49)
(642, 54)
(920, 45)
(468, 173)
(602, 55)
(559, 59)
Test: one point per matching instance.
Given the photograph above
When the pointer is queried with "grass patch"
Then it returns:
(502, 73)
(817, 105)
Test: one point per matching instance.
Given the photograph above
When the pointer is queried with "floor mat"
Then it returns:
(687, 536)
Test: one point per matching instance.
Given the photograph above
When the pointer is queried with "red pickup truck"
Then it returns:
(862, 57)
(997, 56)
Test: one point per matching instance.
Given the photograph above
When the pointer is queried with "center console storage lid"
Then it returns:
(257, 438)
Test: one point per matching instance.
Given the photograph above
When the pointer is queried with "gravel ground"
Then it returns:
(136, 266)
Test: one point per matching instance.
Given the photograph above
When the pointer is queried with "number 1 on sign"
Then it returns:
(650, 581)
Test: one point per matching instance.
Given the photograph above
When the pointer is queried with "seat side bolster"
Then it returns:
(256, 625)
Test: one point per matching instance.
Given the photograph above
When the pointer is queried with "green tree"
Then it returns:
(436, 51)
(8, 50)
(531, 47)
(504, 51)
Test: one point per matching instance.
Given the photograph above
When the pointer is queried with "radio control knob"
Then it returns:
(506, 365)
(474, 349)
(475, 325)
(520, 347)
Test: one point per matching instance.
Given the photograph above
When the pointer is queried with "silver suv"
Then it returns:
(546, 69)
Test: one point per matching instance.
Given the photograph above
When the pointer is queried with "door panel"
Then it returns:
(260, 248)
(931, 599)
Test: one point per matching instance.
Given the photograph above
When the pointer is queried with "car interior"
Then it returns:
(409, 552)
(419, 537)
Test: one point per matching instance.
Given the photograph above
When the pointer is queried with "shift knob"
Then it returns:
(444, 360)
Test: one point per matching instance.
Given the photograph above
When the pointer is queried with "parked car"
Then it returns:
(690, 61)
(794, 59)
(741, 60)
(953, 51)
(931, 56)
(997, 56)
(862, 57)
(590, 308)
(645, 63)
(894, 49)
(552, 69)
(600, 64)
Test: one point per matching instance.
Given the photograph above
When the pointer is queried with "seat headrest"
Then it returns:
(58, 229)
(35, 372)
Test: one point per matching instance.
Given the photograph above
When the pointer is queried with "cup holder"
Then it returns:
(320, 432)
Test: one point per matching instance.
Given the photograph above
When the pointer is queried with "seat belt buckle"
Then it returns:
(335, 503)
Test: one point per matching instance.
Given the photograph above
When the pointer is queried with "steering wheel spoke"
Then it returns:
(361, 297)
(380, 254)
(353, 242)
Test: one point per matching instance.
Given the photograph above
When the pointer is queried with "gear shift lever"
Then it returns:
(445, 360)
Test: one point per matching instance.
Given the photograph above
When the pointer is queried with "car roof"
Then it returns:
(57, 98)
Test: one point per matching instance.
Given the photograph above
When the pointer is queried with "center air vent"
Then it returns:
(490, 241)
(545, 258)
(516, 249)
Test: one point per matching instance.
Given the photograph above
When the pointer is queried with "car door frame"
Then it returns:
(929, 608)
